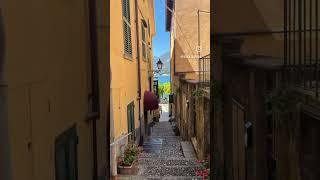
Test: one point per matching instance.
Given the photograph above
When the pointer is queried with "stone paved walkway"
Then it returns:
(163, 157)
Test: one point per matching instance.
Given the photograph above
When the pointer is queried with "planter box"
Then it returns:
(128, 170)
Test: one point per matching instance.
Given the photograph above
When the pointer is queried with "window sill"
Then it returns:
(127, 57)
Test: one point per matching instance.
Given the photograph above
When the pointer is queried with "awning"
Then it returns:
(150, 101)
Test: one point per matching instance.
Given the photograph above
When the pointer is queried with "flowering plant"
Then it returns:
(130, 155)
(204, 170)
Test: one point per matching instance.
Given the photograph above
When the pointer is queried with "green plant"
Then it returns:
(164, 88)
(178, 90)
(198, 93)
(284, 101)
(130, 155)
(204, 170)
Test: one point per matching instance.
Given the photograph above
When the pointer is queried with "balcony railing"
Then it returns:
(204, 70)
(301, 24)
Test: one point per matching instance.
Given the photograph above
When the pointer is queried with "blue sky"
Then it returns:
(161, 41)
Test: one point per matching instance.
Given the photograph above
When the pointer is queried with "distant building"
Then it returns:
(132, 27)
(189, 24)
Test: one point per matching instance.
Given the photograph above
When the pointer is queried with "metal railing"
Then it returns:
(301, 38)
(204, 70)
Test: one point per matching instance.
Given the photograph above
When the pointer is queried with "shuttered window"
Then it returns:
(126, 27)
(144, 45)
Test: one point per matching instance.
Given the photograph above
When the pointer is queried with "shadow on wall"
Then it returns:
(5, 172)
(183, 63)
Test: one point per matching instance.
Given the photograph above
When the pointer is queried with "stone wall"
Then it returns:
(192, 116)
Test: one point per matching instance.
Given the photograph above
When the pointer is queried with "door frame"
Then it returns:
(238, 130)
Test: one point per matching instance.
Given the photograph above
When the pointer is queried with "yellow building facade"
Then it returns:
(132, 27)
(47, 85)
(188, 22)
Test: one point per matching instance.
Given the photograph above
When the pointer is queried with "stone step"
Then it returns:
(167, 162)
(122, 177)
(168, 170)
(188, 150)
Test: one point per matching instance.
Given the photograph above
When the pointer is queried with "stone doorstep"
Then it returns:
(187, 149)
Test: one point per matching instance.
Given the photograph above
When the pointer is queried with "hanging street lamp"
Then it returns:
(159, 64)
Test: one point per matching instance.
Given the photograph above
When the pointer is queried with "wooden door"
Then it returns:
(238, 129)
(310, 146)
(130, 121)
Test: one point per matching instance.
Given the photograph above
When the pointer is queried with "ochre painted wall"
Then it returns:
(186, 34)
(124, 73)
(47, 70)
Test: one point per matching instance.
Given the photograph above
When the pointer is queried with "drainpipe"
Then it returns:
(94, 83)
(138, 59)
(5, 165)
(114, 147)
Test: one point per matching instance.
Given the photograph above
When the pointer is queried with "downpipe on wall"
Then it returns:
(139, 75)
(94, 83)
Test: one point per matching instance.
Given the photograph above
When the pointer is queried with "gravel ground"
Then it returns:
(163, 157)
(169, 161)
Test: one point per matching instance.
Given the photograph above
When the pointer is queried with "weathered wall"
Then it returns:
(193, 119)
(124, 81)
(47, 71)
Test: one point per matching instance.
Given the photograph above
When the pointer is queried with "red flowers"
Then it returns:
(204, 171)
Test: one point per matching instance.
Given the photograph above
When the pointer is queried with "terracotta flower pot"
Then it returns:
(128, 170)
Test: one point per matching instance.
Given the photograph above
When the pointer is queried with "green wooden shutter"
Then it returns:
(130, 120)
(61, 162)
(126, 27)
(66, 156)
(144, 46)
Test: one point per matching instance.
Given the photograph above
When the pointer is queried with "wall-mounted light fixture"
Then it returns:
(248, 135)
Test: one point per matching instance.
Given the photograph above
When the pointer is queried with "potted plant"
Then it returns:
(126, 163)
(204, 170)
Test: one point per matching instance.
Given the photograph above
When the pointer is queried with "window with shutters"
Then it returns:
(126, 28)
(144, 45)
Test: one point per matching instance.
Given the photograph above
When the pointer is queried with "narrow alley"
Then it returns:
(165, 155)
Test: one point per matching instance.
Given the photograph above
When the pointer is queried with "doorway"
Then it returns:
(310, 146)
(238, 137)
(66, 155)
(131, 123)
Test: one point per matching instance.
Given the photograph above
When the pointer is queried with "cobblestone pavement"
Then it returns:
(163, 158)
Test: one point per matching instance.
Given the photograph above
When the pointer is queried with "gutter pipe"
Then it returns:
(138, 60)
(94, 83)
